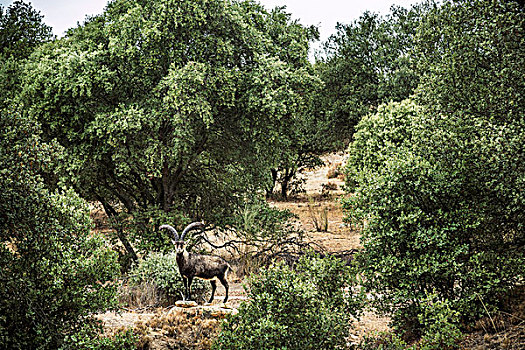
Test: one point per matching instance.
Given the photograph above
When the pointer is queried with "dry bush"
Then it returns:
(288, 251)
(318, 215)
(188, 329)
(144, 295)
(503, 329)
(330, 186)
(262, 236)
(511, 313)
(334, 171)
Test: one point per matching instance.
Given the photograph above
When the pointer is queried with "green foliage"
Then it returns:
(379, 137)
(440, 330)
(21, 31)
(302, 138)
(307, 308)
(143, 228)
(471, 56)
(172, 106)
(440, 325)
(439, 188)
(90, 338)
(162, 270)
(367, 63)
(441, 211)
(257, 221)
(53, 270)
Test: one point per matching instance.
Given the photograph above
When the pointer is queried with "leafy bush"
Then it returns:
(443, 195)
(440, 330)
(21, 31)
(89, 338)
(383, 341)
(440, 188)
(378, 137)
(440, 324)
(441, 200)
(161, 270)
(307, 308)
(54, 271)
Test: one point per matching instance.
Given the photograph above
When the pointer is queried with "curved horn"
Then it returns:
(172, 230)
(190, 227)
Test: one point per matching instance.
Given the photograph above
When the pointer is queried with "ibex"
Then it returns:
(193, 265)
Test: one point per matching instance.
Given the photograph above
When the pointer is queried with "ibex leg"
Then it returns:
(225, 284)
(185, 283)
(190, 280)
(213, 287)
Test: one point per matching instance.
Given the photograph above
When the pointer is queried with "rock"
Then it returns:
(185, 304)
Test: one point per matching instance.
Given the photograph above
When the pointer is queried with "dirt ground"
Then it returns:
(323, 195)
(320, 202)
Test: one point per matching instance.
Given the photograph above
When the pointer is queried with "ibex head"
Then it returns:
(179, 242)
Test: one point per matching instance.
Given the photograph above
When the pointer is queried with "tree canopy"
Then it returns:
(21, 30)
(366, 63)
(171, 106)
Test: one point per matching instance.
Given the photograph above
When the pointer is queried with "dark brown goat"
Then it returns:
(191, 265)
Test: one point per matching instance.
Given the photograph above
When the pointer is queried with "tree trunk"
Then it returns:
(269, 191)
(112, 213)
(284, 184)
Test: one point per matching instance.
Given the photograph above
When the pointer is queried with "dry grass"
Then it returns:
(192, 328)
(181, 330)
(502, 330)
(338, 236)
(334, 171)
(143, 296)
(318, 215)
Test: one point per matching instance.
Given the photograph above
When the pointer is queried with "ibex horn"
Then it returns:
(172, 230)
(190, 227)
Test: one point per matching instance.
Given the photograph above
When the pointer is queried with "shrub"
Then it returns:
(378, 137)
(440, 325)
(307, 308)
(440, 188)
(334, 171)
(89, 338)
(54, 272)
(161, 270)
(441, 200)
(318, 215)
(440, 330)
(264, 235)
(382, 341)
